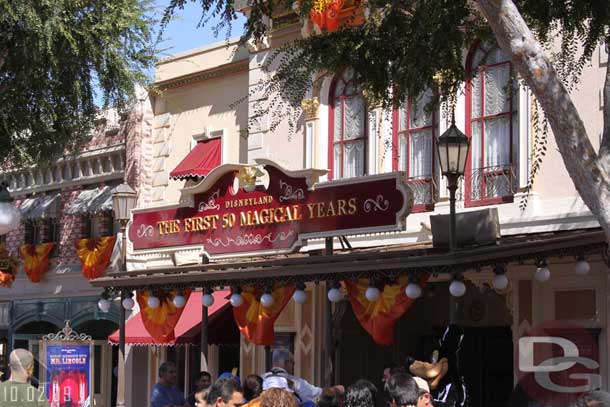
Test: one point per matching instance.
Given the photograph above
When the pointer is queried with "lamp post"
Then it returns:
(123, 201)
(453, 148)
(10, 216)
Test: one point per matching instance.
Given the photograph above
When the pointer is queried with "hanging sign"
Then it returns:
(230, 221)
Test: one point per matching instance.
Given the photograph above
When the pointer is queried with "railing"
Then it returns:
(425, 193)
(494, 184)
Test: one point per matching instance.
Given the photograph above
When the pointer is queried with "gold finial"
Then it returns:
(310, 107)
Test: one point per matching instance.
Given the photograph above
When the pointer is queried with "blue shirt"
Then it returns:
(163, 395)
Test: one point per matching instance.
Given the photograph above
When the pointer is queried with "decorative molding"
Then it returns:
(310, 107)
(211, 203)
(289, 193)
(185, 80)
(66, 334)
(378, 204)
(250, 239)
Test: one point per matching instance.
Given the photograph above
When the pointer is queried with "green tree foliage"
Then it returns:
(54, 56)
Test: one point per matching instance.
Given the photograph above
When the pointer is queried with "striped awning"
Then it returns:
(40, 207)
(91, 201)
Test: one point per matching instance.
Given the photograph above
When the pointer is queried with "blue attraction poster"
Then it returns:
(68, 375)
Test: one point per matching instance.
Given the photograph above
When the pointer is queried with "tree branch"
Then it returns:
(604, 148)
(588, 174)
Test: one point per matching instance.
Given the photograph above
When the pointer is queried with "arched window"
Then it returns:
(492, 124)
(347, 152)
(414, 135)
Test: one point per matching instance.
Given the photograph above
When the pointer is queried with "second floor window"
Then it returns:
(415, 132)
(347, 155)
(492, 121)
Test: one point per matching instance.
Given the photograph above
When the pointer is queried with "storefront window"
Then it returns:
(283, 341)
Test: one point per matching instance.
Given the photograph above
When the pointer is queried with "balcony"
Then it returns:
(425, 193)
(489, 185)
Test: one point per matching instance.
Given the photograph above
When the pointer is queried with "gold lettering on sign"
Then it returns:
(169, 227)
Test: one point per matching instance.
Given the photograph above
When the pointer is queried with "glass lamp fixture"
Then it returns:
(10, 216)
(123, 201)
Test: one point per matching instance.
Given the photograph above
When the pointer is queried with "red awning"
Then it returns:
(221, 326)
(202, 159)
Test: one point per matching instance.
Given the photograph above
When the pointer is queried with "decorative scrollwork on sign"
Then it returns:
(145, 231)
(249, 239)
(66, 334)
(211, 203)
(289, 193)
(378, 204)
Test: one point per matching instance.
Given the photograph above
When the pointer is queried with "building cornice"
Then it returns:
(218, 72)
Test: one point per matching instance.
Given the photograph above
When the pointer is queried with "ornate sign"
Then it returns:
(231, 221)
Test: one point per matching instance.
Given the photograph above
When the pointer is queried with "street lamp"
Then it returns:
(10, 217)
(123, 201)
(453, 148)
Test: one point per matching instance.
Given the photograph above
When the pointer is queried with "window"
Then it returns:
(347, 128)
(492, 124)
(414, 135)
(97, 225)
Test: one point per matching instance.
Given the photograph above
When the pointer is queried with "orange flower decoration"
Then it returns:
(161, 321)
(94, 255)
(8, 267)
(36, 259)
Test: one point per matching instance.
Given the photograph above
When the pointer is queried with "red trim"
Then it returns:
(202, 159)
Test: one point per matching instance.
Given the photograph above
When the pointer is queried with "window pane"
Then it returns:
(402, 158)
(348, 74)
(420, 164)
(339, 86)
(497, 92)
(353, 164)
(476, 95)
(475, 146)
(497, 142)
(419, 116)
(402, 117)
(337, 119)
(337, 162)
(354, 118)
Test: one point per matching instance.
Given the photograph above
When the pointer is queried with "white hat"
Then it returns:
(275, 382)
(422, 384)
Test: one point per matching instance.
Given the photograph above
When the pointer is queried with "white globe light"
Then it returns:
(207, 300)
(10, 217)
(500, 281)
(236, 300)
(582, 267)
(179, 301)
(457, 288)
(128, 303)
(542, 274)
(153, 302)
(300, 297)
(267, 300)
(372, 294)
(334, 295)
(413, 291)
(104, 304)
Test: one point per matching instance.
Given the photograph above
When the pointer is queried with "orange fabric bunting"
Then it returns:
(161, 321)
(36, 259)
(94, 255)
(8, 267)
(256, 321)
(378, 317)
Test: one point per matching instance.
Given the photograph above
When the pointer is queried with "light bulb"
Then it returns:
(267, 300)
(153, 302)
(582, 266)
(300, 297)
(207, 300)
(334, 295)
(457, 288)
(413, 291)
(128, 303)
(372, 294)
(104, 304)
(542, 274)
(236, 300)
(500, 281)
(179, 301)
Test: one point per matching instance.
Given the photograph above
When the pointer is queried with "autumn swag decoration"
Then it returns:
(36, 259)
(160, 321)
(94, 255)
(9, 266)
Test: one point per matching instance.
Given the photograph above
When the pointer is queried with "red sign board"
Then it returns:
(229, 221)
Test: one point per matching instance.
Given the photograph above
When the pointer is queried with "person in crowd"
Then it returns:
(230, 375)
(401, 390)
(328, 398)
(164, 392)
(388, 369)
(361, 394)
(283, 363)
(277, 397)
(253, 387)
(16, 391)
(425, 399)
(595, 398)
(226, 392)
(202, 383)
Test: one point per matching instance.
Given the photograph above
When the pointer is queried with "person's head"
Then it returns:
(168, 373)
(225, 393)
(424, 392)
(276, 397)
(387, 371)
(401, 390)
(328, 398)
(21, 363)
(204, 380)
(253, 386)
(596, 398)
(283, 358)
(361, 394)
